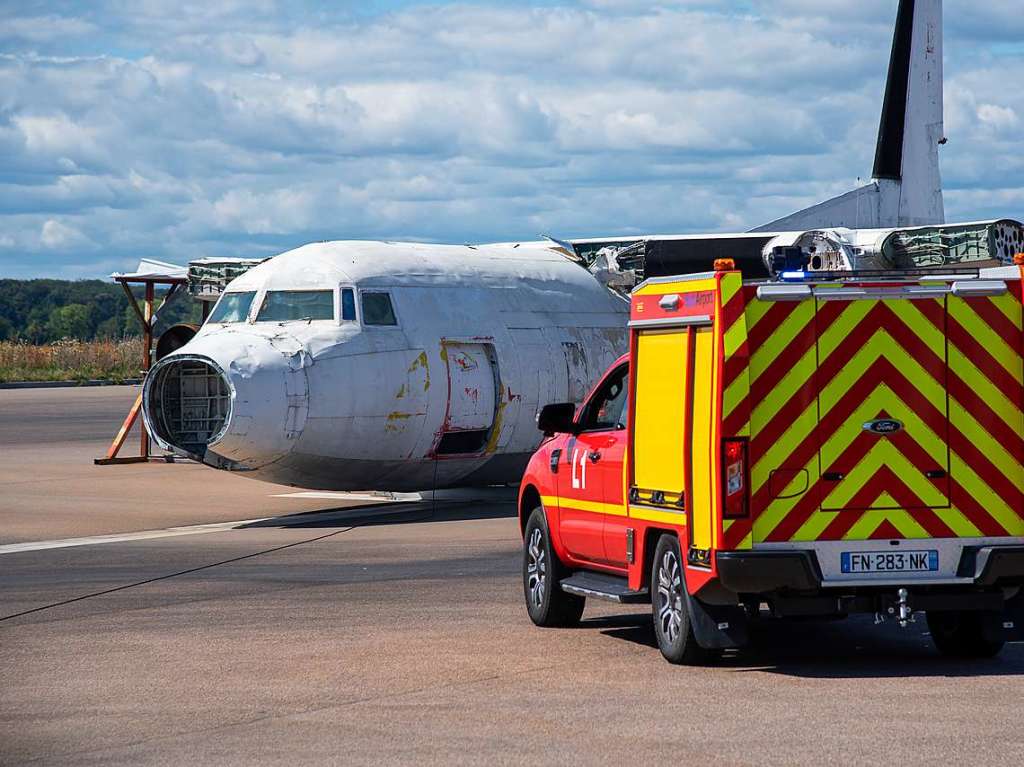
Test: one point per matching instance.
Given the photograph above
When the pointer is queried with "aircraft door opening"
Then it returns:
(472, 397)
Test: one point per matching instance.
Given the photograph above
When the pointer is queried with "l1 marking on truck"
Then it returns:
(889, 561)
(579, 481)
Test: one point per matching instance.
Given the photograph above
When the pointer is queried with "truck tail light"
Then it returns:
(736, 473)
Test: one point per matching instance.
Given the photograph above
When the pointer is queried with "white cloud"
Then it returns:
(236, 128)
(54, 134)
(55, 235)
(998, 117)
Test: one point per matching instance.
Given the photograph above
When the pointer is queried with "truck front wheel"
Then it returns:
(960, 634)
(672, 625)
(546, 603)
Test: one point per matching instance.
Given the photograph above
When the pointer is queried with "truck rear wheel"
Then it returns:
(960, 634)
(672, 625)
(546, 603)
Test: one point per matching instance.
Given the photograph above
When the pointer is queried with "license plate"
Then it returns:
(889, 561)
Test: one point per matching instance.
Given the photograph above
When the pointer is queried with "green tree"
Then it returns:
(110, 328)
(27, 306)
(36, 333)
(71, 321)
(130, 325)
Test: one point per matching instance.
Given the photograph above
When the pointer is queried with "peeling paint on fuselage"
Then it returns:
(422, 362)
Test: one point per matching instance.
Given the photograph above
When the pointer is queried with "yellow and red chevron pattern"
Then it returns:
(732, 321)
(802, 378)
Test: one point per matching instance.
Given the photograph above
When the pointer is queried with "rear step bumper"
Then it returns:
(994, 565)
(766, 572)
(763, 572)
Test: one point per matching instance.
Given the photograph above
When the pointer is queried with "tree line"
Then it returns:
(41, 311)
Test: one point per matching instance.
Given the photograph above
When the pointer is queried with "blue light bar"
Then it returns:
(793, 276)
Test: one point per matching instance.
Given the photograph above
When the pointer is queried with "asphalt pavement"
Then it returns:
(397, 634)
(50, 488)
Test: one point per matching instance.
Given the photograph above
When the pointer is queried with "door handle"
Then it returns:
(594, 457)
(936, 474)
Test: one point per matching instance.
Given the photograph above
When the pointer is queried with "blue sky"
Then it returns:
(183, 129)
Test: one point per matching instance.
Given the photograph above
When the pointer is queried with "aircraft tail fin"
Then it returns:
(907, 186)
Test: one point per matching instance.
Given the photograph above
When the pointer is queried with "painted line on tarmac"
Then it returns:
(288, 520)
(143, 535)
(168, 576)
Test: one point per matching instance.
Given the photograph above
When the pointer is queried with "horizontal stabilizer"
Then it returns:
(859, 209)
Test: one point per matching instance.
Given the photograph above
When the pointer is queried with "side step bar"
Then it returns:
(601, 586)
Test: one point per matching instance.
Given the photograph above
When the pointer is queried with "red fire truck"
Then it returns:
(801, 447)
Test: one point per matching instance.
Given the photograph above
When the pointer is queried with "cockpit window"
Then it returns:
(348, 304)
(284, 305)
(377, 309)
(232, 307)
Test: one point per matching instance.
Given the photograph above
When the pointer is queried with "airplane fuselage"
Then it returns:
(429, 373)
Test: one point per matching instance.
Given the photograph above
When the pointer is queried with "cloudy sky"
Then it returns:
(187, 128)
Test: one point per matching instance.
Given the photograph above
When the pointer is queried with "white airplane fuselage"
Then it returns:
(447, 395)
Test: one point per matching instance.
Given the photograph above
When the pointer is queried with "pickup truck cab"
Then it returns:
(791, 450)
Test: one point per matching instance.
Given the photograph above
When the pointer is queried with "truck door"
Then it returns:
(590, 484)
(674, 459)
(704, 444)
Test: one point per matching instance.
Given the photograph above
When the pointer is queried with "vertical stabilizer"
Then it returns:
(908, 149)
(892, 126)
(907, 186)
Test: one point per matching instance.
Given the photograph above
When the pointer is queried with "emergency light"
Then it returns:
(788, 258)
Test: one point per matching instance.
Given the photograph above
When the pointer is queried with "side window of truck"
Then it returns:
(607, 410)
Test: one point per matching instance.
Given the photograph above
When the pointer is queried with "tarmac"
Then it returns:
(165, 632)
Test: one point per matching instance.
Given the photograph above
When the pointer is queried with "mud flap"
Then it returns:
(717, 627)
(1007, 625)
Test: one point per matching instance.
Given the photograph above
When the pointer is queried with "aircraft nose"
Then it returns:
(239, 406)
(187, 404)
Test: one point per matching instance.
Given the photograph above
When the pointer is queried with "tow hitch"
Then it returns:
(906, 614)
(900, 610)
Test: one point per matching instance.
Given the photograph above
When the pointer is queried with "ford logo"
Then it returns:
(883, 426)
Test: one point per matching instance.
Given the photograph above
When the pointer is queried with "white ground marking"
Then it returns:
(169, 532)
(216, 527)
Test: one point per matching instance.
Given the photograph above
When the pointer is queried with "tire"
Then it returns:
(672, 625)
(546, 603)
(960, 634)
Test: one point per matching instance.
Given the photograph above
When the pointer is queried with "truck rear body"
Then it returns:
(876, 426)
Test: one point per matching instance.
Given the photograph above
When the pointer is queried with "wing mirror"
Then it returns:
(557, 419)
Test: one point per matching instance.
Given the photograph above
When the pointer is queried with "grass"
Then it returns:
(70, 360)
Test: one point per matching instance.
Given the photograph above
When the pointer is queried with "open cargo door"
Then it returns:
(674, 454)
(662, 416)
(883, 410)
